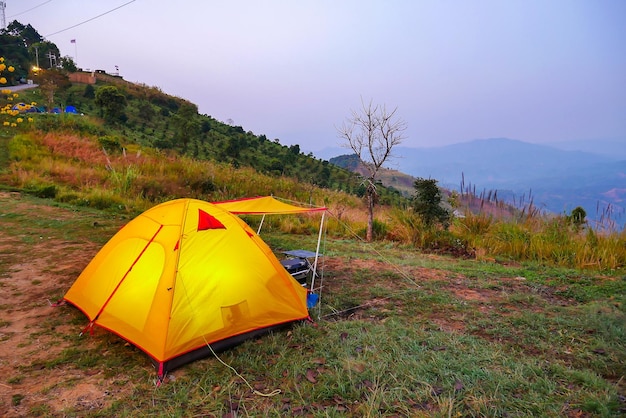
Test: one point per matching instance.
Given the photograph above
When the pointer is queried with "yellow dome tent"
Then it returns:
(184, 275)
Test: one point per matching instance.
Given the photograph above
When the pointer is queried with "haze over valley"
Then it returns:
(557, 177)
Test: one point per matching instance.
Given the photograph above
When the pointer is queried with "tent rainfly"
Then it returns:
(186, 278)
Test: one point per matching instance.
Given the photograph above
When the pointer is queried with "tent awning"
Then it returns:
(264, 205)
(268, 205)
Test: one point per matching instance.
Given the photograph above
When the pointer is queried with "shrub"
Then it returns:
(67, 197)
(152, 190)
(24, 148)
(202, 186)
(379, 230)
(67, 122)
(89, 92)
(45, 191)
(474, 224)
(102, 199)
(110, 143)
(442, 241)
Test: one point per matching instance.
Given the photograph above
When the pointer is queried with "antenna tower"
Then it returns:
(3, 5)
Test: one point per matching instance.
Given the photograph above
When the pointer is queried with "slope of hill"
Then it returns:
(392, 179)
(151, 118)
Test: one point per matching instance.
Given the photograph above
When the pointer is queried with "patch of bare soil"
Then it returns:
(485, 299)
(32, 331)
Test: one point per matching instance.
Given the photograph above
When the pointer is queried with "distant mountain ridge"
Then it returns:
(611, 147)
(494, 162)
(557, 180)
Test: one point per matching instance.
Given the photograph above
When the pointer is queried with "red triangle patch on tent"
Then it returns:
(206, 221)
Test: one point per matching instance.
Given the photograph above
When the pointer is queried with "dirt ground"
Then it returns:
(32, 330)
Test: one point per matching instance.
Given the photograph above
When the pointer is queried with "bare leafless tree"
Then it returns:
(371, 133)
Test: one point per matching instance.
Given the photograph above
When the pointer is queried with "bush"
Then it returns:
(102, 199)
(67, 122)
(48, 191)
(152, 190)
(379, 230)
(442, 241)
(89, 92)
(24, 148)
(475, 224)
(163, 143)
(110, 143)
(67, 197)
(202, 186)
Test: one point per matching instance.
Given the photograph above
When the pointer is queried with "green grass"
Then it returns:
(399, 334)
(374, 369)
(4, 150)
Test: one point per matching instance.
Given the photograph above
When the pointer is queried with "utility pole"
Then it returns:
(53, 60)
(75, 51)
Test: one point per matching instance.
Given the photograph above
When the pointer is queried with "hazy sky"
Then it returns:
(457, 70)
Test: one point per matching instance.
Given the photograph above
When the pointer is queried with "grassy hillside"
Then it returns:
(128, 164)
(154, 119)
(389, 178)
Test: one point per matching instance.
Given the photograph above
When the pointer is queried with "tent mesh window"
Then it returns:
(235, 314)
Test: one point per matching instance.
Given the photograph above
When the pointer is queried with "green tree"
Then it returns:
(145, 110)
(294, 149)
(26, 33)
(112, 103)
(89, 92)
(68, 64)
(25, 47)
(577, 217)
(186, 125)
(16, 42)
(427, 202)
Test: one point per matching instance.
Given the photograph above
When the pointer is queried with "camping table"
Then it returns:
(298, 264)
(300, 254)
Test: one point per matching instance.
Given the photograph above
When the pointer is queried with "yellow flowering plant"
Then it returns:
(9, 112)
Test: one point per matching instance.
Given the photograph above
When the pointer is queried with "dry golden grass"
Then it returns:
(136, 178)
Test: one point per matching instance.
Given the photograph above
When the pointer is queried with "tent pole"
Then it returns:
(104, 305)
(258, 232)
(317, 250)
